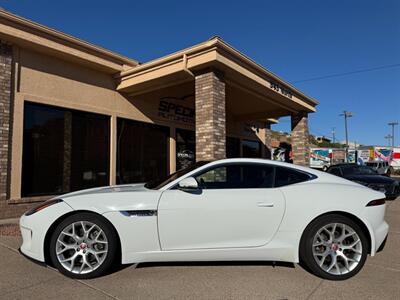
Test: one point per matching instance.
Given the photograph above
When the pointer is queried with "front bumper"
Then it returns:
(34, 228)
(393, 191)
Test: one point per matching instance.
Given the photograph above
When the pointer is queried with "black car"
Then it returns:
(368, 177)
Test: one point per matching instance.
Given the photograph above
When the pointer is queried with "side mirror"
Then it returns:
(189, 183)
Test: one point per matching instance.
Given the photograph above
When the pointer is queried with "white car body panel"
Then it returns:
(216, 225)
(194, 221)
(32, 231)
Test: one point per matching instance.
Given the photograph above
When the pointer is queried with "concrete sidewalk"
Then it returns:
(380, 279)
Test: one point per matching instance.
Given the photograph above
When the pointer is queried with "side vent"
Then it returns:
(139, 213)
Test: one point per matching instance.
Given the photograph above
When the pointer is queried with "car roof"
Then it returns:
(265, 161)
(321, 176)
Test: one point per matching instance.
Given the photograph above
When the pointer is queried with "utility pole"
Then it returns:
(346, 115)
(393, 124)
(389, 138)
(333, 135)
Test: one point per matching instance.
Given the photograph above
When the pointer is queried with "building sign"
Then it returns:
(280, 89)
(175, 112)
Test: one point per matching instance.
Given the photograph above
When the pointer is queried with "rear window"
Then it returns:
(287, 176)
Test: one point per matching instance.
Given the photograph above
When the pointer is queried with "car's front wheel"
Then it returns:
(334, 247)
(83, 246)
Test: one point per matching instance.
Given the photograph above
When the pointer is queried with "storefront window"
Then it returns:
(63, 150)
(251, 149)
(142, 151)
(232, 147)
(185, 148)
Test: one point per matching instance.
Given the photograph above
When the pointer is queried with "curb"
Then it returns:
(9, 221)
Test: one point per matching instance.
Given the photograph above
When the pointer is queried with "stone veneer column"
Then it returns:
(300, 139)
(268, 140)
(5, 118)
(210, 116)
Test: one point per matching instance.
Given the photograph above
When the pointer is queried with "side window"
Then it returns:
(237, 176)
(286, 176)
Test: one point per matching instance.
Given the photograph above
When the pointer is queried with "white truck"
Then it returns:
(370, 154)
(322, 158)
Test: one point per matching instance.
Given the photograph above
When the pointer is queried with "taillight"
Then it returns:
(376, 202)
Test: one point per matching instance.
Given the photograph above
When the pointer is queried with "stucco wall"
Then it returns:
(50, 80)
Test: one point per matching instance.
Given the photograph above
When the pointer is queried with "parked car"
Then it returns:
(226, 210)
(368, 177)
(381, 167)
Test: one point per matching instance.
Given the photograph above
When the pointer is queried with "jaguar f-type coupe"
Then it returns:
(226, 210)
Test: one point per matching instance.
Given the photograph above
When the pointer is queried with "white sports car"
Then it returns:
(226, 210)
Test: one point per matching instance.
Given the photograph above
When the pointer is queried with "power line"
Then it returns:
(348, 73)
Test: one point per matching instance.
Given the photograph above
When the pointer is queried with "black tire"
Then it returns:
(111, 237)
(324, 168)
(306, 246)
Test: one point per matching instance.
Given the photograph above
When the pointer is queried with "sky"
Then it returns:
(297, 40)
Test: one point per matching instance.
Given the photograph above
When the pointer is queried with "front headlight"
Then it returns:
(42, 206)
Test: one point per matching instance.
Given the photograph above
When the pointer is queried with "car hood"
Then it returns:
(371, 179)
(138, 187)
(113, 198)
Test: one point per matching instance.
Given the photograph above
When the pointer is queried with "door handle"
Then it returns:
(264, 204)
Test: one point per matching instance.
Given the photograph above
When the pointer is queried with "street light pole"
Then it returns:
(346, 115)
(393, 124)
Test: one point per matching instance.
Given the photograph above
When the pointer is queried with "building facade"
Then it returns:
(75, 116)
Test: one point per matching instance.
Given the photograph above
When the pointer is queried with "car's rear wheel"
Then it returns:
(334, 247)
(83, 246)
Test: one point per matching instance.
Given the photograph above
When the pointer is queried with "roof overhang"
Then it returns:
(25, 33)
(239, 71)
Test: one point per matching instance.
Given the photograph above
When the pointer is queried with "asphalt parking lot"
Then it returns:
(380, 278)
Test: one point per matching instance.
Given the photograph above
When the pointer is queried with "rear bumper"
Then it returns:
(381, 234)
(382, 246)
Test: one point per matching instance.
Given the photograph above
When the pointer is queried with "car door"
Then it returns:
(235, 206)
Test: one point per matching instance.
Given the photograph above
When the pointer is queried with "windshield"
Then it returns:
(159, 183)
(357, 170)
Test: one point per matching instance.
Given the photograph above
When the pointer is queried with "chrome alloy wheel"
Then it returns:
(337, 248)
(81, 247)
